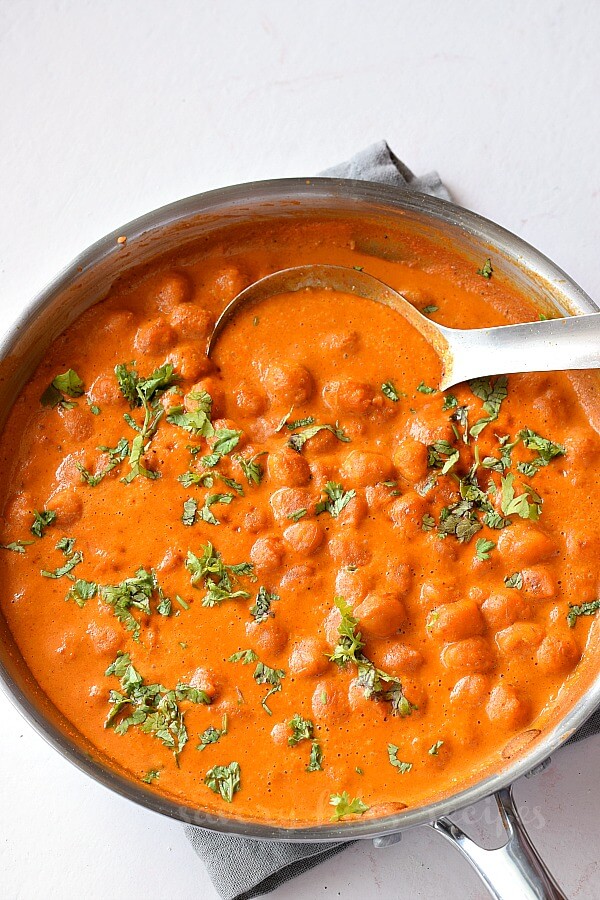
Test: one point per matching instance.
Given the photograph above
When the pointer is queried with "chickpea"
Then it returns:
(455, 621)
(18, 512)
(78, 422)
(288, 383)
(304, 537)
(257, 520)
(506, 707)
(250, 400)
(192, 323)
(355, 512)
(361, 468)
(288, 468)
(154, 336)
(381, 615)
(330, 702)
(345, 343)
(428, 426)
(105, 391)
(280, 734)
(470, 691)
(299, 578)
(353, 584)
(174, 288)
(470, 655)
(119, 321)
(287, 501)
(172, 560)
(399, 576)
(410, 459)
(398, 658)
(190, 362)
(360, 703)
(227, 284)
(105, 640)
(504, 608)
(68, 506)
(348, 550)
(525, 545)
(378, 497)
(267, 554)
(521, 638)
(540, 582)
(557, 655)
(205, 679)
(332, 624)
(349, 396)
(407, 513)
(308, 657)
(268, 637)
(433, 594)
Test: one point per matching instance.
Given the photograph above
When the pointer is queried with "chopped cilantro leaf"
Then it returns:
(337, 499)
(41, 520)
(585, 609)
(315, 762)
(68, 383)
(298, 440)
(224, 780)
(514, 581)
(434, 749)
(483, 548)
(486, 270)
(16, 546)
(219, 579)
(211, 734)
(390, 391)
(190, 509)
(403, 767)
(302, 730)
(261, 608)
(425, 389)
(344, 806)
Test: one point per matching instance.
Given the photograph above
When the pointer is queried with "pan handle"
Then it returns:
(513, 870)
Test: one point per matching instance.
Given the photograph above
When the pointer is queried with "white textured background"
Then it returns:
(109, 109)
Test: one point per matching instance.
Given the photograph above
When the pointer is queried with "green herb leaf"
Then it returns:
(450, 402)
(514, 581)
(344, 806)
(252, 470)
(585, 609)
(350, 641)
(68, 383)
(315, 762)
(429, 309)
(219, 579)
(261, 608)
(72, 560)
(82, 591)
(224, 780)
(390, 391)
(337, 499)
(403, 767)
(483, 548)
(428, 522)
(211, 734)
(425, 389)
(264, 674)
(302, 730)
(41, 520)
(298, 440)
(16, 546)
(190, 508)
(433, 750)
(244, 656)
(486, 270)
(151, 776)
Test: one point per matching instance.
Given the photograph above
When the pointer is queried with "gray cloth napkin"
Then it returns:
(242, 868)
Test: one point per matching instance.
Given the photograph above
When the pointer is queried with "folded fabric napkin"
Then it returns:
(242, 868)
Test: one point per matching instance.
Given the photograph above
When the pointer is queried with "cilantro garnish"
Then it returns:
(344, 806)
(302, 730)
(427, 522)
(450, 402)
(315, 762)
(337, 499)
(429, 309)
(253, 471)
(150, 707)
(403, 767)
(442, 455)
(82, 591)
(483, 548)
(585, 609)
(514, 581)
(546, 451)
(527, 505)
(16, 546)
(211, 734)
(116, 456)
(486, 270)
(72, 559)
(261, 608)
(298, 440)
(41, 521)
(224, 780)
(151, 776)
(135, 593)
(425, 389)
(390, 391)
(144, 392)
(219, 579)
(244, 656)
(190, 508)
(68, 383)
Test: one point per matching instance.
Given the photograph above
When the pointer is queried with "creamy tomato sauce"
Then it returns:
(296, 581)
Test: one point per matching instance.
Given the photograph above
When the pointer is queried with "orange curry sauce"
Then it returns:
(455, 636)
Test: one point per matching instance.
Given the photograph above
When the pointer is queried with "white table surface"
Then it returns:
(110, 109)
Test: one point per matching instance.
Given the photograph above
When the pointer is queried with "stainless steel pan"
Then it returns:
(513, 871)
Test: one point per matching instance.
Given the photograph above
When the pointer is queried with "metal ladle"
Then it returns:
(545, 346)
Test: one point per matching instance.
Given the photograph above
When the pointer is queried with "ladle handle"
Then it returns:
(512, 871)
(546, 346)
